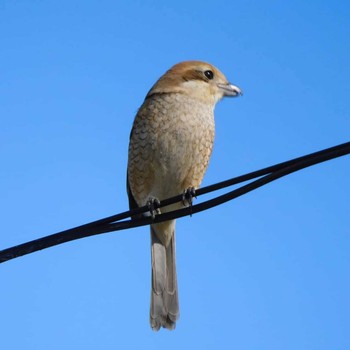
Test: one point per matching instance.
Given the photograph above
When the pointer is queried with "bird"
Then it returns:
(170, 145)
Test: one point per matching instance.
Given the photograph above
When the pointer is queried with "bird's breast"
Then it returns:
(184, 142)
(170, 145)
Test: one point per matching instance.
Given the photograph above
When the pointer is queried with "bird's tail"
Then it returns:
(164, 294)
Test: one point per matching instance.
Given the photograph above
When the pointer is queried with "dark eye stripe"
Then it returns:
(193, 74)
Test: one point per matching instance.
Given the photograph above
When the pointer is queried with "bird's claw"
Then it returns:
(188, 195)
(153, 206)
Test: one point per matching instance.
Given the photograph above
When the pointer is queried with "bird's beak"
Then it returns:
(230, 90)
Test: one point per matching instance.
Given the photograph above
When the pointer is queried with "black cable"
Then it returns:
(111, 223)
(283, 169)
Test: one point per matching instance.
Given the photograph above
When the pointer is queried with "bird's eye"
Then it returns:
(209, 74)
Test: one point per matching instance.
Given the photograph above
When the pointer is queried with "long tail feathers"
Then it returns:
(164, 294)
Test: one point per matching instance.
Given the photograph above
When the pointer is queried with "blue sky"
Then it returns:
(269, 270)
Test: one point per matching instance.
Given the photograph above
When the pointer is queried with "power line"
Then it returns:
(119, 222)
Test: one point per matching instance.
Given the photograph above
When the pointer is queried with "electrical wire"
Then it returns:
(118, 222)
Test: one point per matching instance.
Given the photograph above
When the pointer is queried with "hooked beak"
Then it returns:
(230, 90)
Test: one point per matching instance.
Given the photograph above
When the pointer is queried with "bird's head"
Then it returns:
(196, 79)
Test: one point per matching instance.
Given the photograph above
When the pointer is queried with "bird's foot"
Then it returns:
(153, 205)
(187, 196)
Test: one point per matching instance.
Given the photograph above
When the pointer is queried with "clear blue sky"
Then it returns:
(269, 270)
